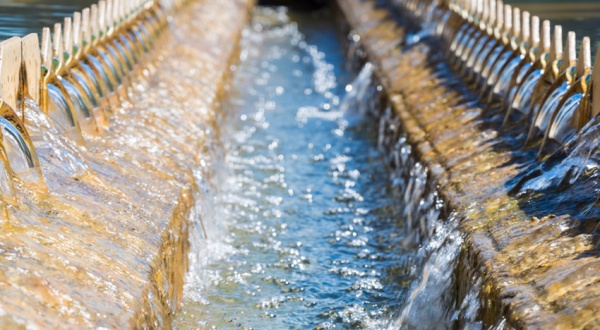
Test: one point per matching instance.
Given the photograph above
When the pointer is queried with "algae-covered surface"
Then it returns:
(536, 249)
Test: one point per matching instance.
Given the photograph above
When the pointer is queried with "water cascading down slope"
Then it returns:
(107, 129)
(108, 133)
(505, 119)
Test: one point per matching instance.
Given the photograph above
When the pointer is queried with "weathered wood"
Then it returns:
(10, 71)
(556, 50)
(535, 31)
(508, 21)
(101, 18)
(546, 37)
(46, 49)
(516, 24)
(77, 30)
(86, 27)
(525, 27)
(57, 47)
(68, 38)
(596, 85)
(94, 23)
(584, 63)
(570, 52)
(32, 62)
(109, 18)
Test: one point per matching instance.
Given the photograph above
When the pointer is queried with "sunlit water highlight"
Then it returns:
(304, 229)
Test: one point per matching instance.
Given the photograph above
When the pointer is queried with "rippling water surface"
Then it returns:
(306, 231)
(19, 17)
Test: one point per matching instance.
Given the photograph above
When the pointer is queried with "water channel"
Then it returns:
(307, 230)
(303, 223)
(18, 18)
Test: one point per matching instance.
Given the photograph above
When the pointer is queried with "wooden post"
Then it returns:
(10, 71)
(101, 19)
(77, 36)
(516, 26)
(584, 63)
(508, 21)
(86, 28)
(556, 50)
(525, 27)
(47, 64)
(32, 69)
(546, 37)
(68, 41)
(596, 85)
(570, 53)
(499, 21)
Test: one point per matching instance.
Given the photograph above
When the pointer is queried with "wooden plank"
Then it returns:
(584, 63)
(556, 50)
(46, 49)
(546, 36)
(57, 46)
(86, 27)
(596, 85)
(101, 18)
(570, 53)
(108, 18)
(10, 70)
(32, 61)
(68, 37)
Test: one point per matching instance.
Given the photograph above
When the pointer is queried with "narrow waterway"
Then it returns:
(19, 18)
(303, 228)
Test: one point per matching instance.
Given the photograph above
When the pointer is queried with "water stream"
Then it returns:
(305, 227)
(313, 212)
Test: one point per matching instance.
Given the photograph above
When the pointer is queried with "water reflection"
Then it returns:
(19, 17)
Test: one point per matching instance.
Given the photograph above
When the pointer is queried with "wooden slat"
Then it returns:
(596, 85)
(30, 52)
(10, 69)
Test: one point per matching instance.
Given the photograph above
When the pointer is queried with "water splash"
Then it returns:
(431, 301)
(578, 156)
(357, 97)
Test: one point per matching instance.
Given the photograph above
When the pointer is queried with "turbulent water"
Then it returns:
(306, 229)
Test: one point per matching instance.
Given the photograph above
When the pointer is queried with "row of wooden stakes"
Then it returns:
(78, 71)
(516, 62)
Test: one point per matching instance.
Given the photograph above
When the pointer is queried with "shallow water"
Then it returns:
(307, 229)
(19, 18)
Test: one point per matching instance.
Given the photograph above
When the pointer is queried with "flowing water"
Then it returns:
(312, 216)
(18, 17)
(306, 229)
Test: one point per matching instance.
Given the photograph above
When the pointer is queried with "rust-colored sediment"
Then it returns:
(536, 254)
(106, 245)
